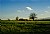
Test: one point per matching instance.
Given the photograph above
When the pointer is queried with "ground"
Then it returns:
(25, 26)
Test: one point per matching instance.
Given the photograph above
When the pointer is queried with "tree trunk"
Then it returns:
(33, 19)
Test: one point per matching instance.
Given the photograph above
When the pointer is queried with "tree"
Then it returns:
(17, 18)
(8, 19)
(32, 16)
(0, 19)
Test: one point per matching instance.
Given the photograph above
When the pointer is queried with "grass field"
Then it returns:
(25, 26)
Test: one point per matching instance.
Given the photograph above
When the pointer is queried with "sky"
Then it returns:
(10, 9)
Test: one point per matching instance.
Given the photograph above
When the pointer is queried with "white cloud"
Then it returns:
(42, 14)
(48, 6)
(29, 8)
(19, 11)
(46, 11)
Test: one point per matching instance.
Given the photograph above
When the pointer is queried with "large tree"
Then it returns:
(32, 16)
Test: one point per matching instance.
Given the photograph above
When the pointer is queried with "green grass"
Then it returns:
(24, 26)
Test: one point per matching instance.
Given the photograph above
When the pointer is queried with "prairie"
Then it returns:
(25, 26)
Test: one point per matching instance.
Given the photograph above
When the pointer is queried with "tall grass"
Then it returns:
(24, 26)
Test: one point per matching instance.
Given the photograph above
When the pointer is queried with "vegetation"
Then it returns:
(19, 26)
(17, 18)
(32, 16)
(0, 19)
(25, 26)
(8, 19)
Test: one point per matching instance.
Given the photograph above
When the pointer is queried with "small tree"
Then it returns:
(32, 16)
(8, 19)
(0, 19)
(17, 18)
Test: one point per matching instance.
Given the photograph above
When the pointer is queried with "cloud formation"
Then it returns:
(48, 6)
(42, 14)
(29, 8)
(46, 11)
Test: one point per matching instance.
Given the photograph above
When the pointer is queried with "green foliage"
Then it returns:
(17, 18)
(8, 19)
(32, 16)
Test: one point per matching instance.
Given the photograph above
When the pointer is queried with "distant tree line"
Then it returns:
(43, 20)
(32, 16)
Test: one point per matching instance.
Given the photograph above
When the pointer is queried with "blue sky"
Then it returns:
(22, 8)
